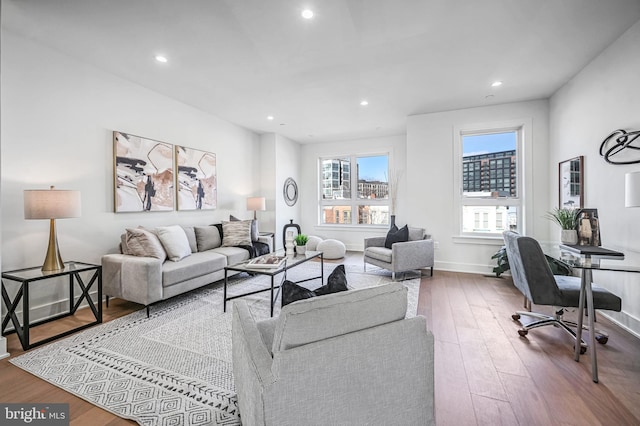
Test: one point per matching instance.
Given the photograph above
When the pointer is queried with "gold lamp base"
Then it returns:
(53, 261)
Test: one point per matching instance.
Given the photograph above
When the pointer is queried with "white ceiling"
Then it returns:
(245, 59)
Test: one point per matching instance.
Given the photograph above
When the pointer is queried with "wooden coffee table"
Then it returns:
(291, 262)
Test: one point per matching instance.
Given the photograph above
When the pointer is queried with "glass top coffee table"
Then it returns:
(288, 262)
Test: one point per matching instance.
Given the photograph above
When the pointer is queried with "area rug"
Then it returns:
(173, 368)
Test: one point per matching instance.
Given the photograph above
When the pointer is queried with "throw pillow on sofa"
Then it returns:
(141, 242)
(336, 282)
(207, 237)
(254, 227)
(175, 242)
(236, 233)
(396, 235)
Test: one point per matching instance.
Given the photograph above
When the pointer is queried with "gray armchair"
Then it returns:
(417, 253)
(343, 358)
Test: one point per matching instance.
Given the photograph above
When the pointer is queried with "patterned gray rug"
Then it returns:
(173, 368)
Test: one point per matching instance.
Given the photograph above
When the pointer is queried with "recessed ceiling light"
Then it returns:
(307, 14)
(496, 84)
(161, 58)
(364, 103)
(269, 117)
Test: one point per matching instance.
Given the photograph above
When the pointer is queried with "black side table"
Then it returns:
(30, 276)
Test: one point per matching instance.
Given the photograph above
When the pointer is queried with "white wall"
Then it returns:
(58, 115)
(287, 165)
(430, 176)
(352, 236)
(603, 97)
(3, 340)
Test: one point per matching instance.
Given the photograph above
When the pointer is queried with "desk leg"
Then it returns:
(592, 326)
(273, 301)
(583, 286)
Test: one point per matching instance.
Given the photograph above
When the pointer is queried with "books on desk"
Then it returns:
(269, 261)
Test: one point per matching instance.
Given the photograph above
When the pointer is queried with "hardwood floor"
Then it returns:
(485, 374)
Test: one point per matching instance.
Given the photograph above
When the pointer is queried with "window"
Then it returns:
(489, 180)
(368, 176)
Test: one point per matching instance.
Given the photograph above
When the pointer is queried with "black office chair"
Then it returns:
(533, 277)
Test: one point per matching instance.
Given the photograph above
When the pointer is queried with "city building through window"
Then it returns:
(369, 176)
(490, 195)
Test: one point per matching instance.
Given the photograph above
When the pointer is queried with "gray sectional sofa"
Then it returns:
(157, 264)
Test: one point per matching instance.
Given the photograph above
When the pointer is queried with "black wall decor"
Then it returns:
(617, 142)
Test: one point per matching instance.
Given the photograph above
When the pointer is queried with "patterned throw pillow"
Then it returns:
(236, 233)
(141, 242)
(254, 227)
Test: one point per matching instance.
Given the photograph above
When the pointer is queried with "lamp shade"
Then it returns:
(51, 204)
(256, 203)
(632, 189)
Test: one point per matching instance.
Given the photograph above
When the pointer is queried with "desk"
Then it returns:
(30, 276)
(589, 258)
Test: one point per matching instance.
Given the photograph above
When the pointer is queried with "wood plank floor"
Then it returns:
(485, 374)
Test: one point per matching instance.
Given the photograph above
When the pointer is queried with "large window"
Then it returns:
(354, 190)
(490, 182)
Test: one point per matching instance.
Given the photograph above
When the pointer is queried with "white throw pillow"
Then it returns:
(175, 242)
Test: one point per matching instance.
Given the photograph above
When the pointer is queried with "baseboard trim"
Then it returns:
(3, 347)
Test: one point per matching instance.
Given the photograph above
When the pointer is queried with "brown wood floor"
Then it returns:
(485, 374)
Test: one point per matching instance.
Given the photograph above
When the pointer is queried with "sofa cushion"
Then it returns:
(396, 235)
(379, 253)
(140, 242)
(175, 242)
(234, 255)
(254, 227)
(416, 234)
(236, 233)
(207, 237)
(196, 265)
(190, 232)
(336, 314)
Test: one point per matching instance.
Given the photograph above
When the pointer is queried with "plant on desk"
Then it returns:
(568, 221)
(301, 243)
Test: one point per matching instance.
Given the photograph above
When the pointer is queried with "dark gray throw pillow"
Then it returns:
(396, 235)
(336, 282)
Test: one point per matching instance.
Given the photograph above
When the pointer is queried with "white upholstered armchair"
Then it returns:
(348, 358)
(417, 253)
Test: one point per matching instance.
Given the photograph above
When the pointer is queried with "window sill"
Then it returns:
(352, 228)
(479, 239)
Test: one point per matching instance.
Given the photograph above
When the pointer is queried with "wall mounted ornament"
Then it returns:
(619, 148)
(290, 191)
(197, 185)
(143, 174)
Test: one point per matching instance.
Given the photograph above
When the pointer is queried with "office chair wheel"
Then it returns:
(583, 349)
(602, 339)
(523, 332)
(515, 317)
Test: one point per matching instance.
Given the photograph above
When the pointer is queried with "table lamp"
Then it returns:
(51, 204)
(632, 189)
(255, 204)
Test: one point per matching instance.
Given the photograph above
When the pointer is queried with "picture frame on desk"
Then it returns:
(588, 228)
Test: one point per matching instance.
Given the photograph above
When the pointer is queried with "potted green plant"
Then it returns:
(568, 221)
(301, 243)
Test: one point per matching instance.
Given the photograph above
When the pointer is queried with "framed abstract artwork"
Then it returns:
(197, 180)
(571, 182)
(144, 177)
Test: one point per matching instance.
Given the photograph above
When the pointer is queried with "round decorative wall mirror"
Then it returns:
(290, 191)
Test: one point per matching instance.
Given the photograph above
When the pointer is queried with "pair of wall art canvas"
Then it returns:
(145, 178)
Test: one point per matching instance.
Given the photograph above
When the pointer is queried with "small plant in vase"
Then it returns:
(568, 221)
(301, 243)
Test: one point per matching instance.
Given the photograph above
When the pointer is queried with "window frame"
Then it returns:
(354, 202)
(523, 155)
